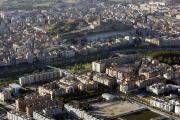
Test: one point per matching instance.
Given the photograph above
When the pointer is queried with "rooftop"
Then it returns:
(14, 85)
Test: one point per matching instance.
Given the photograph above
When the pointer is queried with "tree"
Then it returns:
(78, 66)
(136, 45)
(98, 99)
(174, 58)
(10, 80)
(75, 66)
(163, 96)
(169, 62)
(36, 89)
(165, 60)
(88, 104)
(160, 59)
(84, 108)
(143, 45)
(22, 91)
(66, 26)
(19, 95)
(81, 66)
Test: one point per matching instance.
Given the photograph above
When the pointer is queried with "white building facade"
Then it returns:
(47, 113)
(162, 104)
(161, 88)
(79, 112)
(12, 115)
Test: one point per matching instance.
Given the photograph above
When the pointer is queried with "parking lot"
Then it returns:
(114, 108)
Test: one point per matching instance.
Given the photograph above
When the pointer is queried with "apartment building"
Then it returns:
(152, 68)
(105, 80)
(177, 109)
(146, 82)
(138, 82)
(128, 85)
(13, 115)
(25, 80)
(43, 105)
(79, 112)
(164, 42)
(67, 85)
(162, 104)
(161, 88)
(32, 98)
(14, 87)
(5, 95)
(47, 114)
(100, 66)
(122, 72)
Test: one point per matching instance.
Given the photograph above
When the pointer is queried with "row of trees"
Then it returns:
(67, 28)
(86, 106)
(81, 94)
(77, 67)
(6, 81)
(169, 57)
(82, 71)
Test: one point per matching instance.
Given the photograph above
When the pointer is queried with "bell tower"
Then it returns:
(99, 19)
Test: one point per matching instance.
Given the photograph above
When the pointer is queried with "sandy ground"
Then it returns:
(110, 109)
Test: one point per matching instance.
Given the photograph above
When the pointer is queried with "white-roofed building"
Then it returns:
(14, 87)
(108, 96)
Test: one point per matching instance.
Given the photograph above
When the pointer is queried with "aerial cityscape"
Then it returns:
(89, 60)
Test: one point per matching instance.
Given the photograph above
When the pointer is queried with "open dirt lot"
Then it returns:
(110, 109)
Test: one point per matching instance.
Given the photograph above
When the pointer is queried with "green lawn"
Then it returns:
(7, 81)
(75, 30)
(89, 65)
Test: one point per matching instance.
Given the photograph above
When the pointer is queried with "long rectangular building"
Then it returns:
(37, 78)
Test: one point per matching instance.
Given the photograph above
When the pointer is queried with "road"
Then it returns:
(86, 57)
(116, 51)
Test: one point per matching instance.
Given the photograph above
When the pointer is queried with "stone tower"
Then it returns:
(29, 57)
(99, 19)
